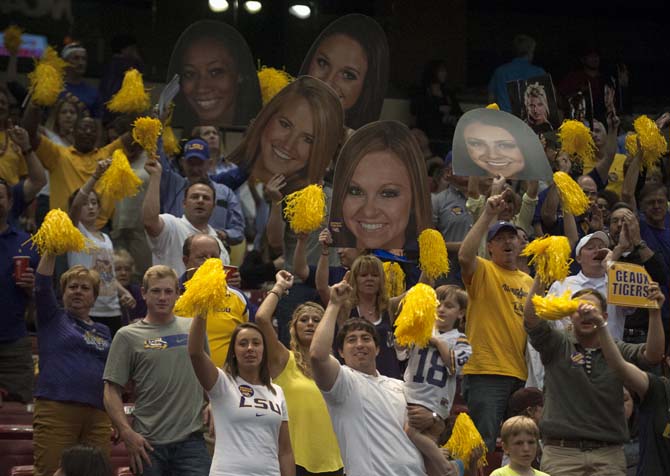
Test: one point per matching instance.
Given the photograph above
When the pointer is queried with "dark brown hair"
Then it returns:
(230, 364)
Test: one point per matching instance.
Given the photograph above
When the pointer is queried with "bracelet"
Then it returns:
(272, 291)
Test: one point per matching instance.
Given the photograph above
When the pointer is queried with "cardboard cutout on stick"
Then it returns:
(217, 77)
(380, 192)
(534, 101)
(352, 56)
(492, 142)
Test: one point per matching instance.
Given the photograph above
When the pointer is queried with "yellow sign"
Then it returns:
(628, 286)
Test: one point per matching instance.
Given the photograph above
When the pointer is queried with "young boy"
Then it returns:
(430, 378)
(519, 436)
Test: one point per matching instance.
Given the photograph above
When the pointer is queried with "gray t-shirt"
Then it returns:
(169, 398)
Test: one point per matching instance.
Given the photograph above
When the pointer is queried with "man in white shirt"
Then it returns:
(367, 409)
(166, 233)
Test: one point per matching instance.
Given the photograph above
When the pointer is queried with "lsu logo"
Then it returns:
(157, 343)
(456, 210)
(246, 391)
(259, 404)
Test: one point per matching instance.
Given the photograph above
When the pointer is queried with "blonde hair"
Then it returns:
(363, 264)
(124, 255)
(300, 360)
(516, 425)
(79, 271)
(160, 271)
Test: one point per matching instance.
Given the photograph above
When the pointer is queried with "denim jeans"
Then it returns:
(487, 397)
(184, 458)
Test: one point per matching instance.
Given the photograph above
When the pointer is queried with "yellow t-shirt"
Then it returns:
(221, 326)
(615, 175)
(12, 165)
(313, 439)
(494, 322)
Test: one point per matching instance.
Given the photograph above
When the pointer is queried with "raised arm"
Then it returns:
(529, 317)
(275, 226)
(278, 355)
(36, 174)
(300, 266)
(84, 192)
(151, 207)
(630, 179)
(203, 366)
(604, 164)
(31, 122)
(655, 345)
(323, 266)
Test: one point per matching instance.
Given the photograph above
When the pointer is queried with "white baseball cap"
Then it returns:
(596, 234)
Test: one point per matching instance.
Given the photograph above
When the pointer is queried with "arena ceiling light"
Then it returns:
(253, 6)
(300, 10)
(218, 5)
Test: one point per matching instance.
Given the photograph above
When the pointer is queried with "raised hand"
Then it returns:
(273, 189)
(284, 280)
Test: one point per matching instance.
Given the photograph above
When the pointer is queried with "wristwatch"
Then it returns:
(642, 244)
(436, 418)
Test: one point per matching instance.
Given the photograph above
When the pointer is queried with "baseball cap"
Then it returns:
(596, 234)
(498, 226)
(196, 148)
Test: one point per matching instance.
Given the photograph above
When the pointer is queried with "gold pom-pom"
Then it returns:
(652, 142)
(51, 56)
(205, 292)
(170, 142)
(631, 144)
(394, 277)
(145, 132)
(12, 38)
(414, 324)
(464, 440)
(272, 81)
(132, 97)
(551, 257)
(47, 80)
(58, 235)
(119, 180)
(433, 258)
(493, 105)
(576, 140)
(553, 308)
(573, 198)
(305, 209)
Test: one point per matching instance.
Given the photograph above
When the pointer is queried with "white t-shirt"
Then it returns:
(100, 258)
(247, 420)
(368, 414)
(166, 248)
(428, 382)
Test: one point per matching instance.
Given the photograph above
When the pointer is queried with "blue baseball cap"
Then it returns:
(497, 227)
(196, 148)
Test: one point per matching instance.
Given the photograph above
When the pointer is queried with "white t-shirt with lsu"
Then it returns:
(247, 419)
(368, 414)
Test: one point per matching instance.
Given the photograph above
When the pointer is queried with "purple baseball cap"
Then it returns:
(497, 227)
(196, 148)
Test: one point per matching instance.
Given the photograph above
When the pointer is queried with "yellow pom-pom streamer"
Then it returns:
(551, 257)
(576, 140)
(433, 258)
(46, 84)
(631, 144)
(12, 38)
(464, 440)
(58, 235)
(145, 132)
(553, 308)
(170, 142)
(205, 292)
(418, 313)
(51, 56)
(272, 81)
(493, 105)
(652, 142)
(132, 97)
(395, 279)
(305, 209)
(573, 198)
(119, 180)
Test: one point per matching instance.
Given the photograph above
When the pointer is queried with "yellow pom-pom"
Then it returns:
(576, 140)
(433, 258)
(170, 142)
(464, 440)
(119, 180)
(205, 292)
(551, 257)
(493, 105)
(573, 198)
(305, 209)
(145, 132)
(58, 235)
(51, 56)
(631, 144)
(418, 313)
(652, 142)
(12, 38)
(46, 84)
(553, 308)
(132, 97)
(272, 81)
(394, 277)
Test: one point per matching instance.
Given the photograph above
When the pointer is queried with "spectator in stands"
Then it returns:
(12, 166)
(73, 349)
(125, 55)
(77, 58)
(586, 80)
(84, 460)
(165, 437)
(497, 367)
(167, 232)
(124, 267)
(520, 67)
(520, 436)
(312, 437)
(528, 402)
(368, 410)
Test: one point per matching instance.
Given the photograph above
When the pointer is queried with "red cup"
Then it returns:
(230, 270)
(21, 264)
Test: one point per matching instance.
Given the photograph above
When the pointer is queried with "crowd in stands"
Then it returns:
(300, 373)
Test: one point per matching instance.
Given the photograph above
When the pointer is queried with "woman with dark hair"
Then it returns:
(249, 411)
(380, 192)
(84, 460)
(352, 56)
(218, 80)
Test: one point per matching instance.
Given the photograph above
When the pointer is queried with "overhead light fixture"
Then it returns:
(218, 5)
(300, 11)
(253, 6)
